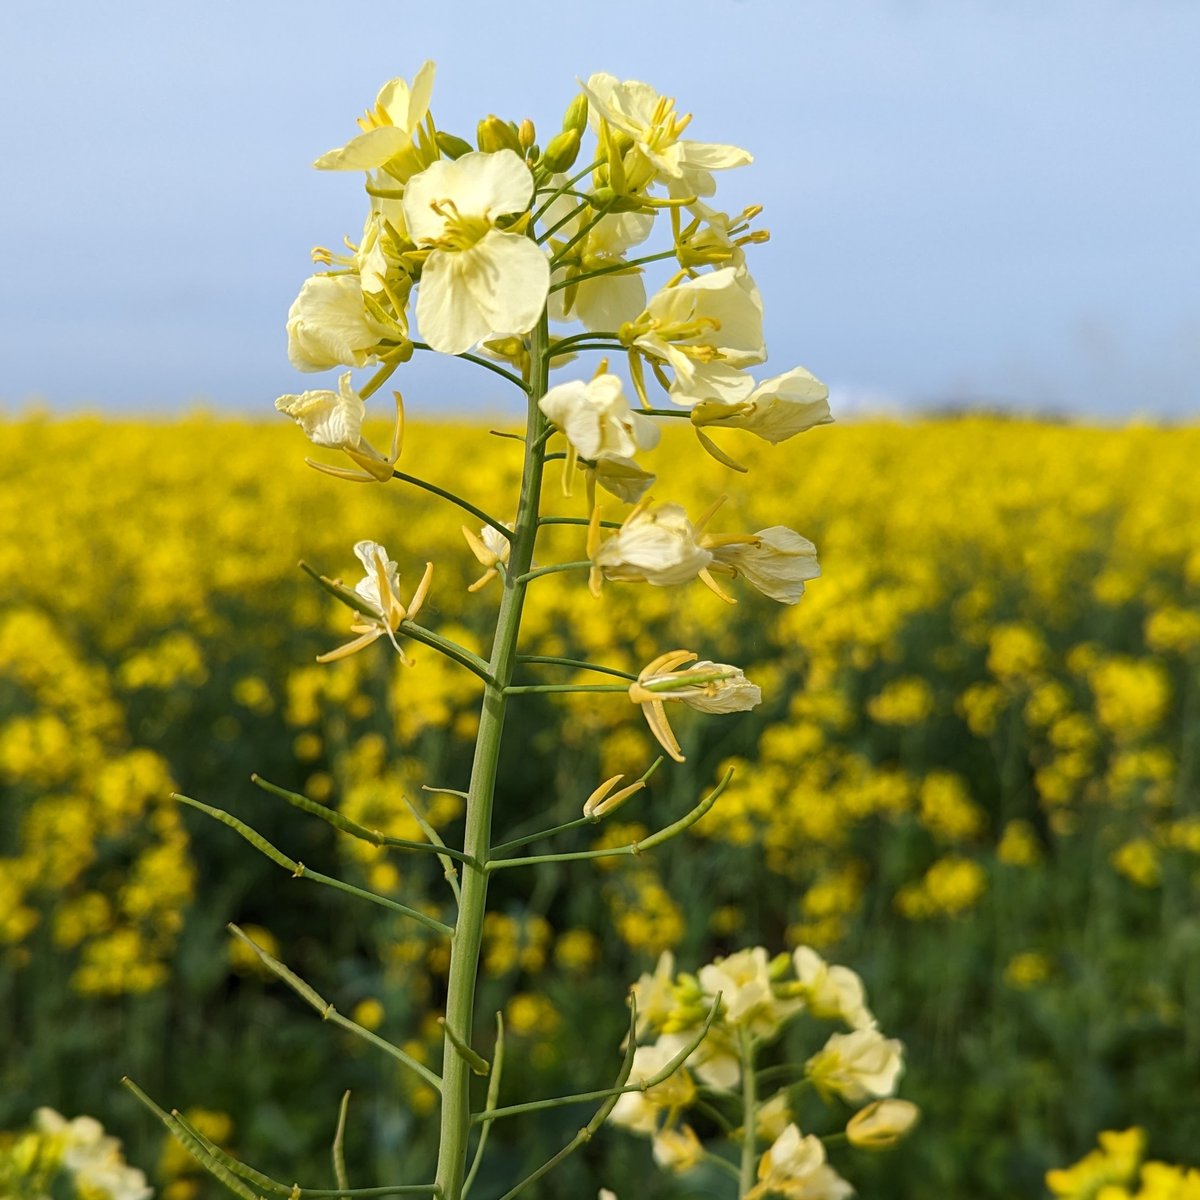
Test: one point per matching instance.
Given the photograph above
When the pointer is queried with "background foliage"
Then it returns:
(974, 779)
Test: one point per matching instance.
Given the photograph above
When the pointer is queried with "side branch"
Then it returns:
(300, 871)
(338, 821)
(465, 505)
(655, 839)
(495, 368)
(328, 1013)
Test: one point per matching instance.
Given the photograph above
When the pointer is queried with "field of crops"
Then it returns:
(975, 777)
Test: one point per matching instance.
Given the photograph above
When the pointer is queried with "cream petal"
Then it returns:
(713, 156)
(365, 151)
(447, 315)
(509, 278)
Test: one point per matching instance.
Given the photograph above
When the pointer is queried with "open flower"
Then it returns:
(831, 991)
(704, 329)
(795, 1167)
(329, 325)
(334, 419)
(654, 545)
(604, 431)
(707, 686)
(658, 153)
(478, 279)
(777, 561)
(678, 1150)
(857, 1066)
(388, 131)
(775, 410)
(640, 1111)
(379, 588)
(748, 1000)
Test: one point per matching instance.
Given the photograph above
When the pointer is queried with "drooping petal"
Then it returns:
(447, 315)
(328, 325)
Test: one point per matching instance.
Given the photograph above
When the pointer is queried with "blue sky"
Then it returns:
(991, 203)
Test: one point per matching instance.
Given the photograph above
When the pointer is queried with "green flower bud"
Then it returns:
(576, 115)
(494, 134)
(526, 134)
(562, 150)
(452, 146)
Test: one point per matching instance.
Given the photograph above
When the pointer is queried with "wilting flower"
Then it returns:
(604, 431)
(857, 1066)
(777, 409)
(491, 548)
(704, 329)
(604, 800)
(654, 545)
(334, 420)
(379, 588)
(388, 131)
(478, 279)
(882, 1124)
(795, 1167)
(678, 1150)
(831, 990)
(777, 561)
(658, 153)
(328, 325)
(707, 686)
(640, 1111)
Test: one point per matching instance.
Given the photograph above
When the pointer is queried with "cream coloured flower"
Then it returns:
(491, 548)
(92, 1157)
(857, 1066)
(704, 329)
(707, 686)
(596, 418)
(380, 588)
(716, 1062)
(640, 1111)
(775, 410)
(777, 561)
(388, 131)
(678, 1150)
(771, 1117)
(831, 991)
(608, 300)
(621, 477)
(328, 325)
(795, 1167)
(334, 420)
(882, 1124)
(658, 153)
(748, 1000)
(478, 280)
(655, 545)
(654, 994)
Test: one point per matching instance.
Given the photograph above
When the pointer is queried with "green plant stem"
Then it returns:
(468, 932)
(523, 689)
(556, 568)
(578, 521)
(550, 660)
(749, 1104)
(614, 269)
(495, 368)
(465, 505)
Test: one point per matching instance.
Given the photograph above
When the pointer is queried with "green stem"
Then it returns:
(465, 505)
(749, 1103)
(468, 933)
(523, 689)
(563, 345)
(554, 195)
(551, 660)
(584, 230)
(615, 268)
(578, 521)
(495, 368)
(582, 565)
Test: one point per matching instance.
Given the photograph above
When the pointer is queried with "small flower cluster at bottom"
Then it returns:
(61, 1158)
(755, 998)
(1115, 1170)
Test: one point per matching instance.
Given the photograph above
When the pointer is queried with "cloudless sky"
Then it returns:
(970, 201)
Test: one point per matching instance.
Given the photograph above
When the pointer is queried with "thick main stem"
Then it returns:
(468, 932)
(749, 1115)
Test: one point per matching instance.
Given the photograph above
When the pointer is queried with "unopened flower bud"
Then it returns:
(562, 150)
(526, 134)
(451, 145)
(882, 1124)
(493, 134)
(576, 115)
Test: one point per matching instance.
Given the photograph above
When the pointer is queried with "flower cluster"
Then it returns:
(1116, 1170)
(746, 1000)
(62, 1158)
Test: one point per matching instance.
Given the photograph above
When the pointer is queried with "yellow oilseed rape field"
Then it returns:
(975, 776)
